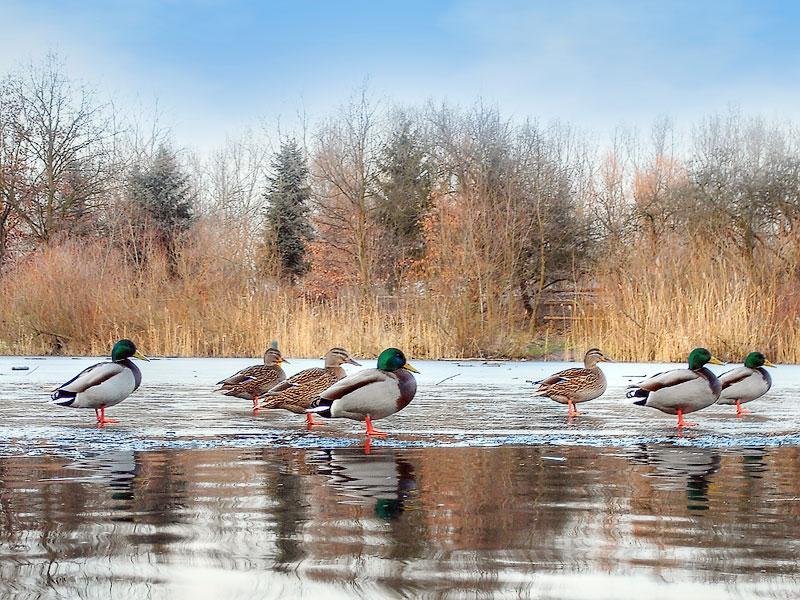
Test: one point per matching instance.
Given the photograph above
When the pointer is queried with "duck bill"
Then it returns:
(350, 361)
(605, 359)
(408, 367)
(769, 364)
(280, 361)
(715, 361)
(140, 356)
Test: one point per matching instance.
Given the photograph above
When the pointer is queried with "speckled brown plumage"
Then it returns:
(572, 386)
(298, 392)
(255, 380)
(262, 380)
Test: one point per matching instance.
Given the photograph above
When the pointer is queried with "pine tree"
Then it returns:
(403, 202)
(287, 224)
(164, 197)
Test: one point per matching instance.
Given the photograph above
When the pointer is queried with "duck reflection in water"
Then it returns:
(673, 464)
(116, 469)
(385, 477)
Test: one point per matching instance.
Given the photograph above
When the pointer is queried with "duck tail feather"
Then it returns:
(638, 393)
(63, 398)
(321, 407)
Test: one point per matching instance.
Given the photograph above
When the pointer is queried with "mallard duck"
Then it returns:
(681, 391)
(255, 380)
(370, 394)
(745, 384)
(104, 384)
(298, 392)
(573, 386)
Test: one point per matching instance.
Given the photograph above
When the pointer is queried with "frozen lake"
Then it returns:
(466, 403)
(480, 490)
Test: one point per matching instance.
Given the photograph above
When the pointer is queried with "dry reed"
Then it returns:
(659, 307)
(648, 308)
(88, 296)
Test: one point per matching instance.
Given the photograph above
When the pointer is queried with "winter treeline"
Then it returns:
(391, 204)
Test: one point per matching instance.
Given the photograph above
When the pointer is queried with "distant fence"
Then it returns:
(557, 306)
(560, 306)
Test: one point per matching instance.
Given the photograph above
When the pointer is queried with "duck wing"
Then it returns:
(568, 381)
(662, 380)
(90, 377)
(300, 390)
(255, 385)
(562, 376)
(354, 382)
(297, 379)
(733, 376)
(240, 376)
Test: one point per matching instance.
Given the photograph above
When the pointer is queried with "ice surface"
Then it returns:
(458, 403)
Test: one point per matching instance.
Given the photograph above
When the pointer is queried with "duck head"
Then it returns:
(594, 356)
(756, 359)
(125, 349)
(699, 357)
(393, 359)
(336, 357)
(273, 356)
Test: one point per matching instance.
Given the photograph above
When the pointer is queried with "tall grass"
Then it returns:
(658, 306)
(650, 306)
(89, 296)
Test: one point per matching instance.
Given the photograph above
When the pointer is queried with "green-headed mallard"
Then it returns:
(370, 394)
(573, 386)
(104, 384)
(251, 382)
(298, 392)
(681, 391)
(745, 384)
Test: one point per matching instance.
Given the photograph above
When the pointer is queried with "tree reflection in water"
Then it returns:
(517, 520)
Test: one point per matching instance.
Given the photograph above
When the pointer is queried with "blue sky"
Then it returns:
(216, 67)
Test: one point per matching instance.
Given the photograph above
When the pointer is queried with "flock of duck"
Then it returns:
(676, 392)
(372, 394)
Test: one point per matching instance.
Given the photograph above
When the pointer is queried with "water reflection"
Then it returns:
(533, 521)
(385, 477)
(682, 468)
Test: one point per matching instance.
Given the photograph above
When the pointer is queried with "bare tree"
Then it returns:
(345, 174)
(64, 137)
(747, 172)
(234, 177)
(13, 184)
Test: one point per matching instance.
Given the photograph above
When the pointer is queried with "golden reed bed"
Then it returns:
(648, 307)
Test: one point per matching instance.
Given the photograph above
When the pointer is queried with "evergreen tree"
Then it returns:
(403, 202)
(287, 224)
(164, 196)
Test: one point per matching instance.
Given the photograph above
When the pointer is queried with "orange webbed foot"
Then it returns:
(682, 423)
(310, 423)
(102, 421)
(371, 431)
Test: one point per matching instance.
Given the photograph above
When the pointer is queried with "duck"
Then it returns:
(681, 391)
(298, 392)
(104, 384)
(746, 383)
(370, 394)
(573, 386)
(252, 381)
